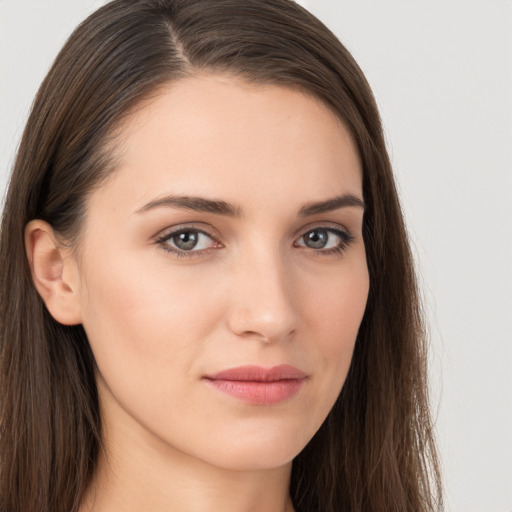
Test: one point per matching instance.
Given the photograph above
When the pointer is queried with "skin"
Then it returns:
(251, 292)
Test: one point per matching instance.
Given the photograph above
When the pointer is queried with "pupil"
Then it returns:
(316, 239)
(186, 240)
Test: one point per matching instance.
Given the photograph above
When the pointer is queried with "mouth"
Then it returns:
(257, 385)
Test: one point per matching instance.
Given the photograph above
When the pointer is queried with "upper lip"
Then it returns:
(253, 373)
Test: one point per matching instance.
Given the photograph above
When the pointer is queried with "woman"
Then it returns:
(208, 300)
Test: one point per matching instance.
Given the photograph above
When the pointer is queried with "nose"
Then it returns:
(263, 305)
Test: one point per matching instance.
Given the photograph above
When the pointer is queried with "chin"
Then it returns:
(261, 450)
(248, 459)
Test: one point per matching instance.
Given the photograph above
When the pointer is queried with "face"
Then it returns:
(223, 275)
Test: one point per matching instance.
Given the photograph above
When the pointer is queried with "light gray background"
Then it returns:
(442, 75)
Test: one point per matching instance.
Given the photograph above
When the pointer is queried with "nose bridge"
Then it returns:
(263, 299)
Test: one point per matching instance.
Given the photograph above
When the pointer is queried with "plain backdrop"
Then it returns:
(442, 75)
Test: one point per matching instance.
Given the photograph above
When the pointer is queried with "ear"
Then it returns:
(54, 272)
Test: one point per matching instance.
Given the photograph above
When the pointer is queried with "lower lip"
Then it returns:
(258, 393)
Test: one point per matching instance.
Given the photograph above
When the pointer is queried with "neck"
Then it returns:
(185, 487)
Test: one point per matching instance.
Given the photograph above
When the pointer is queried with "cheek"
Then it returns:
(147, 327)
(334, 312)
(142, 321)
(336, 304)
(136, 295)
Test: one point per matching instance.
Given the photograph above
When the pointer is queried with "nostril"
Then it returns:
(262, 324)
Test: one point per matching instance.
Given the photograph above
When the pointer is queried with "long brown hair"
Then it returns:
(375, 451)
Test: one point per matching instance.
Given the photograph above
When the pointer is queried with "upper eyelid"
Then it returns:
(164, 234)
(344, 234)
(170, 231)
(163, 240)
(331, 226)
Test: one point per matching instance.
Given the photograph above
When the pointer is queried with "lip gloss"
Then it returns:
(258, 385)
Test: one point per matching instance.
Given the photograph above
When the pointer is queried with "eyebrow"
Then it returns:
(201, 204)
(343, 201)
(198, 204)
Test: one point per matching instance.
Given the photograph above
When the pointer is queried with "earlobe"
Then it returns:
(54, 272)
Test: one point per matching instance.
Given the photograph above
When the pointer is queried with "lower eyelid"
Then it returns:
(341, 233)
(345, 237)
(164, 241)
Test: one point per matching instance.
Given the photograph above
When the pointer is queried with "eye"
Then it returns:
(187, 240)
(326, 240)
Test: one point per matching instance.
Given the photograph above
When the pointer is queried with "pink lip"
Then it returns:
(258, 385)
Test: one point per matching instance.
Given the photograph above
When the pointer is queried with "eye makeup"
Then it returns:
(188, 241)
(325, 240)
(191, 241)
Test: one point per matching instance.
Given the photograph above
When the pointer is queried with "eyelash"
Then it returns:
(163, 241)
(345, 240)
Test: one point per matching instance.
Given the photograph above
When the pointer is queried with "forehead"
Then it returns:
(219, 136)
